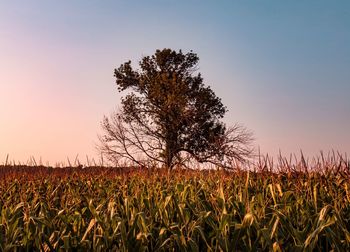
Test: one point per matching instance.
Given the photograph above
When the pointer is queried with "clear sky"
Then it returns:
(281, 67)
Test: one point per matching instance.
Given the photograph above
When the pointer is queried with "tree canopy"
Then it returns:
(169, 115)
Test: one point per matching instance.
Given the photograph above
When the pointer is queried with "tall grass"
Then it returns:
(300, 207)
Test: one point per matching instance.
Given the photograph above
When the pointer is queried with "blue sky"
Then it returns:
(281, 68)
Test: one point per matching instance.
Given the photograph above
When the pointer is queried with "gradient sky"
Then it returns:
(281, 67)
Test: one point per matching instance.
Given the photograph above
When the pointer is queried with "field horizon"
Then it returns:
(278, 162)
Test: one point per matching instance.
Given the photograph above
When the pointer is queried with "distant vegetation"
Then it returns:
(301, 207)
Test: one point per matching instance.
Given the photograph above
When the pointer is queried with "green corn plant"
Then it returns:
(102, 209)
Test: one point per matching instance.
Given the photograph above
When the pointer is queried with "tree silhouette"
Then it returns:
(170, 116)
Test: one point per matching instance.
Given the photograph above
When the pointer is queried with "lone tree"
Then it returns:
(170, 117)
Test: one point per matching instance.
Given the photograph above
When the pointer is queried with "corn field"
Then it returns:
(298, 208)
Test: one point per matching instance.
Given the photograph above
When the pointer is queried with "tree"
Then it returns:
(170, 116)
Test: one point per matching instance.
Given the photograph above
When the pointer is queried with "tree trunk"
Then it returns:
(169, 155)
(170, 146)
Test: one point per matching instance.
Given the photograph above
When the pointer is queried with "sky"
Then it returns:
(282, 68)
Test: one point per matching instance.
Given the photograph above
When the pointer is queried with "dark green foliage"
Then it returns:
(168, 114)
